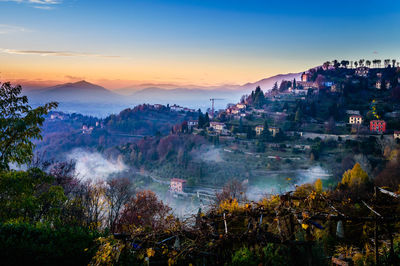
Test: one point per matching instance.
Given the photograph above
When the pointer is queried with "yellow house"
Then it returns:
(259, 129)
(273, 130)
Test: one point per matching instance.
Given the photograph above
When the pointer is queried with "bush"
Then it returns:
(27, 244)
(244, 257)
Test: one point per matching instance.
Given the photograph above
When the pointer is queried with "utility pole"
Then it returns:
(212, 105)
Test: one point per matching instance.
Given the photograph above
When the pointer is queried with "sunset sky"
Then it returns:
(205, 42)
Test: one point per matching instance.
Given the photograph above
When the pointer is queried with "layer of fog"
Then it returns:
(278, 183)
(94, 166)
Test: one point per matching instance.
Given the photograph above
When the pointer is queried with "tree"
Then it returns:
(19, 124)
(299, 115)
(386, 62)
(265, 134)
(275, 87)
(344, 63)
(355, 177)
(250, 133)
(234, 189)
(145, 210)
(201, 120)
(118, 193)
(336, 64)
(206, 120)
(29, 197)
(318, 185)
(368, 63)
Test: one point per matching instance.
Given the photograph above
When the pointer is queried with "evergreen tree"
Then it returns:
(259, 98)
(275, 87)
(265, 134)
(250, 133)
(201, 120)
(206, 121)
(299, 115)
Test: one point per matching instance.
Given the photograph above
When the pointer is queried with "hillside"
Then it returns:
(267, 83)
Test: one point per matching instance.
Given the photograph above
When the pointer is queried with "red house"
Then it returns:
(378, 126)
(177, 185)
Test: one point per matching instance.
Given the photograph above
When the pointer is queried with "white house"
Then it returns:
(355, 119)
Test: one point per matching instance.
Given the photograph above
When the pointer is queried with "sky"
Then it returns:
(204, 42)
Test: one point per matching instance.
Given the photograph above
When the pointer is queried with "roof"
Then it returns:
(260, 126)
(356, 116)
(178, 180)
(216, 123)
(397, 132)
(378, 121)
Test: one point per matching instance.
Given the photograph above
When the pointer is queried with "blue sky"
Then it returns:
(197, 42)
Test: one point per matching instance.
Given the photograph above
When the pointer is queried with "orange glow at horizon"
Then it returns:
(116, 73)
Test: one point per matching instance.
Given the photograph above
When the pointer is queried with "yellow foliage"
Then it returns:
(150, 252)
(108, 252)
(318, 186)
(229, 205)
(355, 176)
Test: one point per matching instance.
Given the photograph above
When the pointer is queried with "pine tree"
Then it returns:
(299, 115)
(265, 134)
(201, 120)
(206, 121)
(275, 87)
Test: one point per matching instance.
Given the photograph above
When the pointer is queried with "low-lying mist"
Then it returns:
(94, 166)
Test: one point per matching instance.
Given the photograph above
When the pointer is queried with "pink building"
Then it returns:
(177, 185)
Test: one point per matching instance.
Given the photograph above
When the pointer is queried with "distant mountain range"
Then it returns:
(90, 99)
(81, 91)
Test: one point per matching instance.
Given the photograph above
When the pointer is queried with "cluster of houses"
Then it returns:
(375, 126)
(57, 116)
(177, 108)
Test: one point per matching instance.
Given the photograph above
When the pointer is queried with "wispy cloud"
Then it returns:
(5, 29)
(40, 4)
(55, 53)
(74, 77)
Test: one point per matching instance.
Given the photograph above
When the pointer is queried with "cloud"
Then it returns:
(6, 29)
(40, 4)
(55, 53)
(74, 77)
